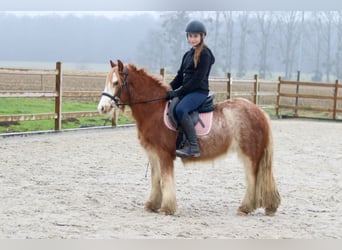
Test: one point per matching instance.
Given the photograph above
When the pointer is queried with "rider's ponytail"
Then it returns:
(198, 51)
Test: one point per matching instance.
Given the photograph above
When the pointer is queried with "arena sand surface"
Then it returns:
(91, 184)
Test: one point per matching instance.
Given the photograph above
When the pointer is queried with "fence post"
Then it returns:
(115, 117)
(41, 82)
(58, 98)
(162, 73)
(278, 96)
(229, 87)
(297, 91)
(256, 90)
(335, 99)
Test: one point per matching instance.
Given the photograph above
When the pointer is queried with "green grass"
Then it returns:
(38, 105)
(25, 106)
(11, 106)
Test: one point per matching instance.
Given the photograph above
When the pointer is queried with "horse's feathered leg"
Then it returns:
(266, 194)
(248, 204)
(256, 148)
(169, 205)
(162, 195)
(154, 202)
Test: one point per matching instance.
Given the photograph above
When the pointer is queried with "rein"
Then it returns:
(116, 98)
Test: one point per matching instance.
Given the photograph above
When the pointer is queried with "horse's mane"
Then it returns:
(143, 73)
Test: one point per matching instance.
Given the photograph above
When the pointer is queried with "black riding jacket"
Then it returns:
(189, 79)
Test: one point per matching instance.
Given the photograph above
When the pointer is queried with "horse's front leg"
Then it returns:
(154, 202)
(169, 205)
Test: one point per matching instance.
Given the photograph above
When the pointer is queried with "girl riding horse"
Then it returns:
(191, 85)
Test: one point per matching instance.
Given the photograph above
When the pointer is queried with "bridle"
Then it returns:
(116, 98)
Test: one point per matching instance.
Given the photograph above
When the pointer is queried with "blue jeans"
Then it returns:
(189, 103)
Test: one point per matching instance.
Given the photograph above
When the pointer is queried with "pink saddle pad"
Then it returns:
(207, 119)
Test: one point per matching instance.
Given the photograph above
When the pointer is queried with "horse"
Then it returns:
(237, 124)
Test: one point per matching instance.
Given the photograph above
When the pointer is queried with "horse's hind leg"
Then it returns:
(248, 204)
(154, 202)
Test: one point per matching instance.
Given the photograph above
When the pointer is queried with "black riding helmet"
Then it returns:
(195, 27)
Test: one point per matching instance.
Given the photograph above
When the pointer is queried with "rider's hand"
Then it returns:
(170, 94)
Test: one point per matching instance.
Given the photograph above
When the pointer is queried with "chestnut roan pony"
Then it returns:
(237, 124)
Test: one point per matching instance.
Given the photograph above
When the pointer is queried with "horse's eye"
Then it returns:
(115, 83)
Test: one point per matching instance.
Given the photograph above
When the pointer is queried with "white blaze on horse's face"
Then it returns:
(106, 104)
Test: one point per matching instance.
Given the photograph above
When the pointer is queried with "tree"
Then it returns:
(152, 53)
(217, 28)
(288, 23)
(174, 32)
(316, 44)
(266, 27)
(243, 22)
(327, 18)
(339, 47)
(228, 40)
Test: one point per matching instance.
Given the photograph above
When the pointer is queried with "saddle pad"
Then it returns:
(207, 119)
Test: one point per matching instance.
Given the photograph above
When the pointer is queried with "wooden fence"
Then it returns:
(317, 85)
(58, 94)
(233, 89)
(281, 93)
(255, 93)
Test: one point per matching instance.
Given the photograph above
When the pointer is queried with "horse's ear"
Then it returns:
(120, 65)
(112, 64)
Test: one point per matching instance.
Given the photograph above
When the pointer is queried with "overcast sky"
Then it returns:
(108, 14)
(164, 5)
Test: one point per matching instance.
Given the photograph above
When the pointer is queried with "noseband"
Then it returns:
(116, 98)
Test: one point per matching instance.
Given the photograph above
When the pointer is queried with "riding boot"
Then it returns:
(180, 138)
(193, 149)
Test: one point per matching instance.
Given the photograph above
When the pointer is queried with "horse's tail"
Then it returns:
(266, 194)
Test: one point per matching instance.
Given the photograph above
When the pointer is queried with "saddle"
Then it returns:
(202, 117)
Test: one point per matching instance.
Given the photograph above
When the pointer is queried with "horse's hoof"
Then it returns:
(167, 211)
(241, 213)
(243, 210)
(150, 208)
(270, 212)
